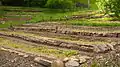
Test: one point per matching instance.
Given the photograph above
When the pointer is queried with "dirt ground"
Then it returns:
(95, 42)
(8, 59)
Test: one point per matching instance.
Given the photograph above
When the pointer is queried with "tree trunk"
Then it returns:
(89, 4)
(0, 3)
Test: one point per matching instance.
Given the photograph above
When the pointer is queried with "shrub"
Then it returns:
(60, 4)
(13, 2)
(39, 3)
(2, 13)
(109, 6)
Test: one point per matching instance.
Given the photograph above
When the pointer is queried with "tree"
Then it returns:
(12, 2)
(39, 3)
(88, 3)
(60, 4)
(109, 6)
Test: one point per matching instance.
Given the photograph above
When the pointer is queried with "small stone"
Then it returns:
(42, 61)
(104, 48)
(2, 22)
(37, 59)
(32, 65)
(74, 58)
(96, 49)
(117, 54)
(111, 46)
(72, 63)
(4, 49)
(25, 55)
(83, 59)
(57, 63)
(101, 48)
(12, 61)
(66, 59)
(21, 54)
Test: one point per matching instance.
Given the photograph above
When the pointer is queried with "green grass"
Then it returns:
(50, 15)
(92, 23)
(2, 13)
(45, 15)
(59, 53)
(9, 23)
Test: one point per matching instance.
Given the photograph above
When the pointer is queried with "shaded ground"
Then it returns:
(8, 59)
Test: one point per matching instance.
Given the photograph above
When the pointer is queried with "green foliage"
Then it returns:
(59, 4)
(39, 3)
(109, 6)
(13, 2)
(2, 12)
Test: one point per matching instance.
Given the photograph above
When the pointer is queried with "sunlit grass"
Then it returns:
(39, 50)
(92, 23)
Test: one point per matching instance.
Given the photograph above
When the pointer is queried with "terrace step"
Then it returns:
(8, 59)
(72, 30)
(61, 43)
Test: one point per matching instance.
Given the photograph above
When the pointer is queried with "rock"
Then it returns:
(37, 59)
(57, 63)
(20, 54)
(110, 46)
(66, 59)
(102, 48)
(63, 45)
(2, 22)
(26, 56)
(83, 59)
(96, 49)
(54, 42)
(63, 31)
(74, 58)
(42, 61)
(72, 63)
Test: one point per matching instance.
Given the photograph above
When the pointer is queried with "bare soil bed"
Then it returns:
(8, 59)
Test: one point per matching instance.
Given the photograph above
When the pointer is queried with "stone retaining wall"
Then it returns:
(63, 44)
(73, 61)
(67, 31)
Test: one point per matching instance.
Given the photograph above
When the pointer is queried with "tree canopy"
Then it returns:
(60, 4)
(109, 6)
